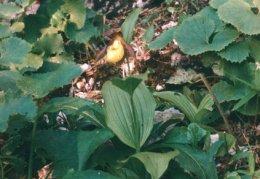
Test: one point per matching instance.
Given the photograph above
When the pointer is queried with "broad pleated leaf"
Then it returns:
(13, 51)
(236, 52)
(240, 14)
(41, 84)
(181, 102)
(70, 150)
(15, 103)
(161, 41)
(83, 107)
(155, 163)
(129, 108)
(89, 174)
(198, 162)
(129, 25)
(205, 34)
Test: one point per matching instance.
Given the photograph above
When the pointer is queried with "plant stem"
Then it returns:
(217, 103)
(30, 165)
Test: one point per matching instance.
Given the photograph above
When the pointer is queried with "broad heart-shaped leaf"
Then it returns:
(239, 13)
(161, 41)
(76, 11)
(5, 31)
(13, 51)
(89, 174)
(82, 35)
(129, 110)
(41, 84)
(228, 92)
(155, 163)
(83, 107)
(203, 35)
(181, 102)
(32, 62)
(7, 10)
(236, 52)
(216, 3)
(69, 150)
(129, 24)
(254, 46)
(8, 80)
(13, 103)
(49, 44)
(198, 162)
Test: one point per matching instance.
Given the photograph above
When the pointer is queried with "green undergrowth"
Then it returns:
(78, 138)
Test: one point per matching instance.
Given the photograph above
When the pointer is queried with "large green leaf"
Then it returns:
(181, 102)
(195, 133)
(227, 92)
(149, 33)
(49, 44)
(161, 41)
(129, 109)
(239, 13)
(76, 11)
(41, 84)
(129, 25)
(13, 51)
(7, 10)
(89, 174)
(4, 31)
(69, 151)
(254, 46)
(83, 107)
(198, 162)
(205, 34)
(83, 35)
(245, 73)
(12, 103)
(236, 52)
(155, 163)
(8, 80)
(216, 3)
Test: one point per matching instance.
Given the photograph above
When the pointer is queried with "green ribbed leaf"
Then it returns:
(70, 150)
(161, 41)
(181, 102)
(129, 109)
(129, 24)
(198, 162)
(82, 107)
(155, 163)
